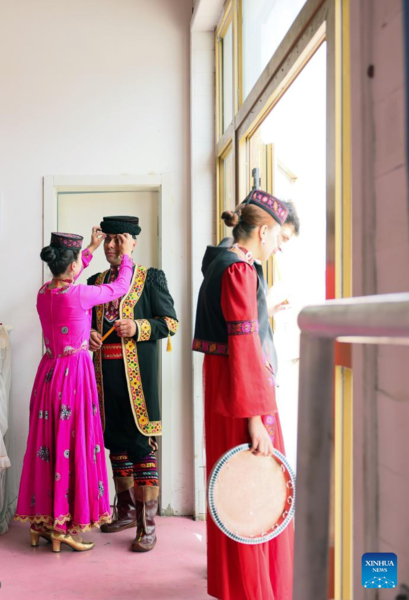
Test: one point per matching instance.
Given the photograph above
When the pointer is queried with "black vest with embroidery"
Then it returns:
(211, 329)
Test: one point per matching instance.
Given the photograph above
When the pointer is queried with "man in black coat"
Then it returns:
(126, 369)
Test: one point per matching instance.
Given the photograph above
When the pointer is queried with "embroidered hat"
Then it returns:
(277, 209)
(66, 240)
(121, 225)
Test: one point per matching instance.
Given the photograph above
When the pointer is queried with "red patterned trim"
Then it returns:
(242, 327)
(112, 351)
(210, 347)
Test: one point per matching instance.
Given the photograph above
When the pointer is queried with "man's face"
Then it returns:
(286, 233)
(111, 249)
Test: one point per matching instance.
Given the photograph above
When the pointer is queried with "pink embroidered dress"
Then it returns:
(64, 481)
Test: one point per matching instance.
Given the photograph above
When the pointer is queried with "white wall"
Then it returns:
(381, 265)
(203, 213)
(92, 87)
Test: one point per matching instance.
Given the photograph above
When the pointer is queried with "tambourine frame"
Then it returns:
(261, 539)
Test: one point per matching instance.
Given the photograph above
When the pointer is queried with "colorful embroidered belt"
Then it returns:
(111, 351)
(210, 347)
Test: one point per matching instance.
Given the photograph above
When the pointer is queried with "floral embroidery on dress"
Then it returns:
(40, 414)
(49, 375)
(57, 477)
(44, 453)
(65, 412)
(73, 433)
(66, 453)
(66, 372)
(97, 449)
(101, 489)
(64, 330)
(67, 493)
(33, 500)
(94, 409)
(46, 415)
(269, 424)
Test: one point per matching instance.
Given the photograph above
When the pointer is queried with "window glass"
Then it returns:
(289, 147)
(227, 75)
(264, 25)
(227, 174)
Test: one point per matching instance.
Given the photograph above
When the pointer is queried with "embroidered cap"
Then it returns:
(66, 240)
(269, 203)
(117, 225)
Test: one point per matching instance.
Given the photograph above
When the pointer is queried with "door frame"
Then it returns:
(160, 183)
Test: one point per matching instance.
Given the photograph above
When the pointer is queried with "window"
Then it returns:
(264, 25)
(226, 174)
(224, 72)
(294, 128)
(227, 71)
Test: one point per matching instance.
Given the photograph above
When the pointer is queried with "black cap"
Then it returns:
(117, 225)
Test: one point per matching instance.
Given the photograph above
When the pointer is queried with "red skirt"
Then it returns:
(238, 571)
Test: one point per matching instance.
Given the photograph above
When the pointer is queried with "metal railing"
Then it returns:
(368, 320)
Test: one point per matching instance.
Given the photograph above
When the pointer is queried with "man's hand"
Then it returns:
(273, 310)
(125, 328)
(95, 341)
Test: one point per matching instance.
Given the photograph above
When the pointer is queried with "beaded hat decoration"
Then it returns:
(115, 225)
(269, 203)
(69, 241)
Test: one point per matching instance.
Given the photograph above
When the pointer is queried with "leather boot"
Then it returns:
(146, 502)
(124, 516)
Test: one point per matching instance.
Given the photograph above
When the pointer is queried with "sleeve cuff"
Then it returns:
(172, 324)
(144, 330)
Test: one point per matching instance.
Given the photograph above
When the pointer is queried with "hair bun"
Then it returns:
(50, 254)
(230, 218)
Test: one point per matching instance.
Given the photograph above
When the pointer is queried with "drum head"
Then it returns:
(251, 498)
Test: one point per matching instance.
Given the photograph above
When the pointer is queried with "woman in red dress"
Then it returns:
(233, 330)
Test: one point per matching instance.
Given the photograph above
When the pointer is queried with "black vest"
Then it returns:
(211, 329)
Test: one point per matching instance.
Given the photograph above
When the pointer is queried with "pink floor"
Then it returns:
(176, 568)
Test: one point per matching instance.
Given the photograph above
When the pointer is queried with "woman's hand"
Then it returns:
(97, 238)
(261, 443)
(125, 244)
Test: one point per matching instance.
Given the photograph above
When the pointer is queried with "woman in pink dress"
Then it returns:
(63, 489)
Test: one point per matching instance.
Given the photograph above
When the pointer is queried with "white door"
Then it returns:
(78, 212)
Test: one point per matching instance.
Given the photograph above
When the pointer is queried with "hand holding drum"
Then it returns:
(261, 443)
(251, 498)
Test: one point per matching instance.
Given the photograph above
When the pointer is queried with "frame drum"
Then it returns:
(251, 498)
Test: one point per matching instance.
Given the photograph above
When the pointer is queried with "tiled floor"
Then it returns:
(176, 568)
